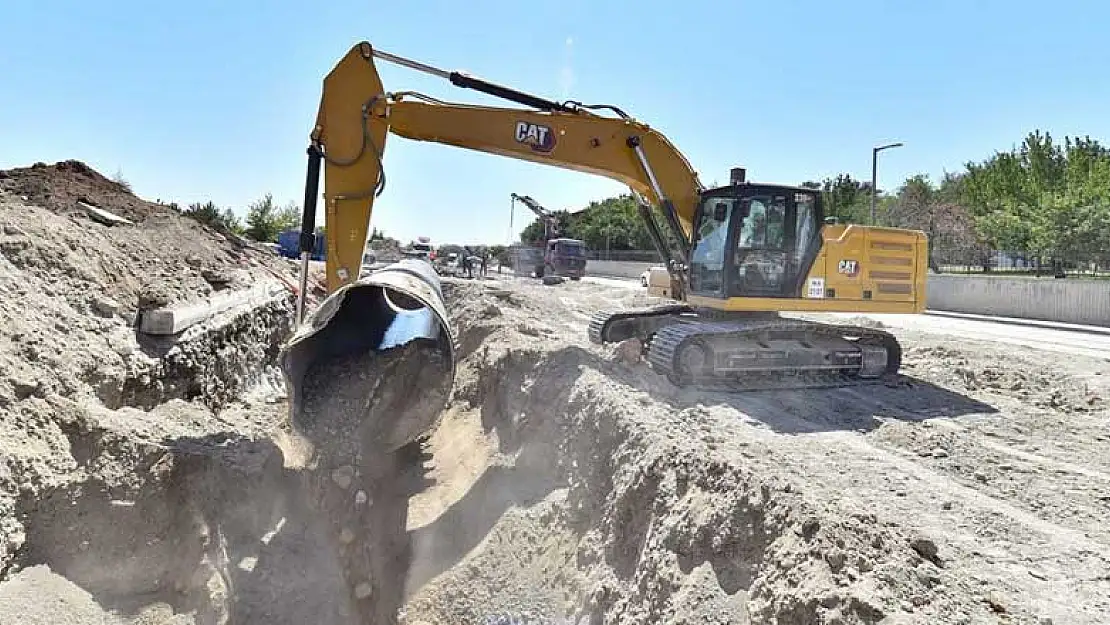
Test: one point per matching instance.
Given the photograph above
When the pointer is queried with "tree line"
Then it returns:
(1044, 200)
(265, 219)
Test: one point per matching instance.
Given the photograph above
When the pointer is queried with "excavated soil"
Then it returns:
(91, 410)
(564, 482)
(573, 486)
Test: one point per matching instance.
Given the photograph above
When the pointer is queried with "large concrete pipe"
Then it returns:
(397, 312)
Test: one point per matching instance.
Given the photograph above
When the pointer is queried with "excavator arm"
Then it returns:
(356, 114)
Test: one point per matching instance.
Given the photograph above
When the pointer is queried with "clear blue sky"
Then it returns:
(214, 99)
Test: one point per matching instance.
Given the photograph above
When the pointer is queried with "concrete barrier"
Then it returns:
(617, 268)
(1068, 300)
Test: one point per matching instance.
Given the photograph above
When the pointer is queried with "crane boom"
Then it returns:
(356, 114)
(549, 221)
(533, 206)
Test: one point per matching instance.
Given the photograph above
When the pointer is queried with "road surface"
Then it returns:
(1060, 338)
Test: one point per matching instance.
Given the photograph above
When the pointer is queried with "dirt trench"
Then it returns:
(560, 485)
(581, 499)
(310, 523)
(195, 500)
(572, 486)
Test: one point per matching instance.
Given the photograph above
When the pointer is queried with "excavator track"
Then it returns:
(614, 326)
(772, 354)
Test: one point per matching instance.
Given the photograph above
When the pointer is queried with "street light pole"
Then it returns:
(874, 173)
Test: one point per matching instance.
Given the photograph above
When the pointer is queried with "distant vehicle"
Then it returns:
(420, 248)
(564, 258)
(657, 280)
(448, 265)
(289, 245)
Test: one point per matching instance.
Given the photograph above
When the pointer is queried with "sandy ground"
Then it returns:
(90, 409)
(567, 484)
(159, 484)
(988, 460)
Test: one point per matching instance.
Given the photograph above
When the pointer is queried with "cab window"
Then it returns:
(764, 228)
(805, 227)
(708, 257)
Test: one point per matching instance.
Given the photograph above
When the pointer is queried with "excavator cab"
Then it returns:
(754, 240)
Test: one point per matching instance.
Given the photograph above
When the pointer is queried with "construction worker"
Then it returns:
(467, 262)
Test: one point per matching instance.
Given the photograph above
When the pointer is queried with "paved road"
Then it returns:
(1095, 342)
(1039, 335)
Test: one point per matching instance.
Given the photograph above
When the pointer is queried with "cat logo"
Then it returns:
(536, 136)
(849, 268)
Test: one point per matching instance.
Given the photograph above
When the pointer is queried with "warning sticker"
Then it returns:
(816, 288)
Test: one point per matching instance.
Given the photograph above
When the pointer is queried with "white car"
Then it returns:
(645, 278)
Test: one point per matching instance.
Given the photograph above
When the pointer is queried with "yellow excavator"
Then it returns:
(737, 255)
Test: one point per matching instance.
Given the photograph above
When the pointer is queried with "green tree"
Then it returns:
(844, 197)
(289, 217)
(211, 215)
(847, 199)
(265, 220)
(919, 205)
(1045, 198)
(533, 233)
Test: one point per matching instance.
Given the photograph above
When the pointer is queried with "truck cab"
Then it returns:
(421, 248)
(565, 258)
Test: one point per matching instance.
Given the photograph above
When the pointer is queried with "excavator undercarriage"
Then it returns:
(711, 350)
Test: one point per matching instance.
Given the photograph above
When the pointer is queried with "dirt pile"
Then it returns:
(1005, 371)
(594, 491)
(561, 483)
(163, 258)
(73, 289)
(60, 186)
(86, 402)
(601, 502)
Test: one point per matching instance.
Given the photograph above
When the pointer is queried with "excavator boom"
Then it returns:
(356, 114)
(733, 253)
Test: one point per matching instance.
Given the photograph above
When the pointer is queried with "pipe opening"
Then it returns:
(385, 346)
